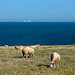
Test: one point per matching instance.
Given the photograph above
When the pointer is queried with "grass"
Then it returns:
(12, 63)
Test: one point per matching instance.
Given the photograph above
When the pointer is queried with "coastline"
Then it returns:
(44, 46)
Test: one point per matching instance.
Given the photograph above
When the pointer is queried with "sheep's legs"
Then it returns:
(58, 64)
(54, 65)
(23, 54)
(32, 55)
(29, 55)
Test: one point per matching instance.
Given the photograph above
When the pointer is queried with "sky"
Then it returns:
(37, 10)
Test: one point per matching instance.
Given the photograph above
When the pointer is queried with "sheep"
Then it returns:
(55, 58)
(19, 47)
(28, 51)
(5, 45)
(35, 46)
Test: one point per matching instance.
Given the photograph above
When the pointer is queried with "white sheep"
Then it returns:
(55, 58)
(5, 45)
(35, 46)
(28, 51)
(19, 47)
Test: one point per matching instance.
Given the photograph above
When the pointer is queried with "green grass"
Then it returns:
(12, 63)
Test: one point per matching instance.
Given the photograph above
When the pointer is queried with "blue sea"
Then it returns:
(32, 33)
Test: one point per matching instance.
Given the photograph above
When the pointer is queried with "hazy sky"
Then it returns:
(37, 10)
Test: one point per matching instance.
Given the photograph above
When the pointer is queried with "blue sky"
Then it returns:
(37, 10)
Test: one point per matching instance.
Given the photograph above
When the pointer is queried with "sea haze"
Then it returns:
(32, 33)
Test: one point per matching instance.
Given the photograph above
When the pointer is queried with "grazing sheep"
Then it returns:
(5, 45)
(55, 58)
(19, 47)
(27, 51)
(35, 46)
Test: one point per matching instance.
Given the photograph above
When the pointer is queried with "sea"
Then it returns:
(32, 33)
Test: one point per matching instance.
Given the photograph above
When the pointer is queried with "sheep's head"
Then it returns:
(38, 45)
(16, 48)
(51, 64)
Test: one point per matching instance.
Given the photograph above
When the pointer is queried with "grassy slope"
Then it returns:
(12, 63)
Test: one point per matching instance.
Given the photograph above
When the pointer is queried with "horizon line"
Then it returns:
(37, 21)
